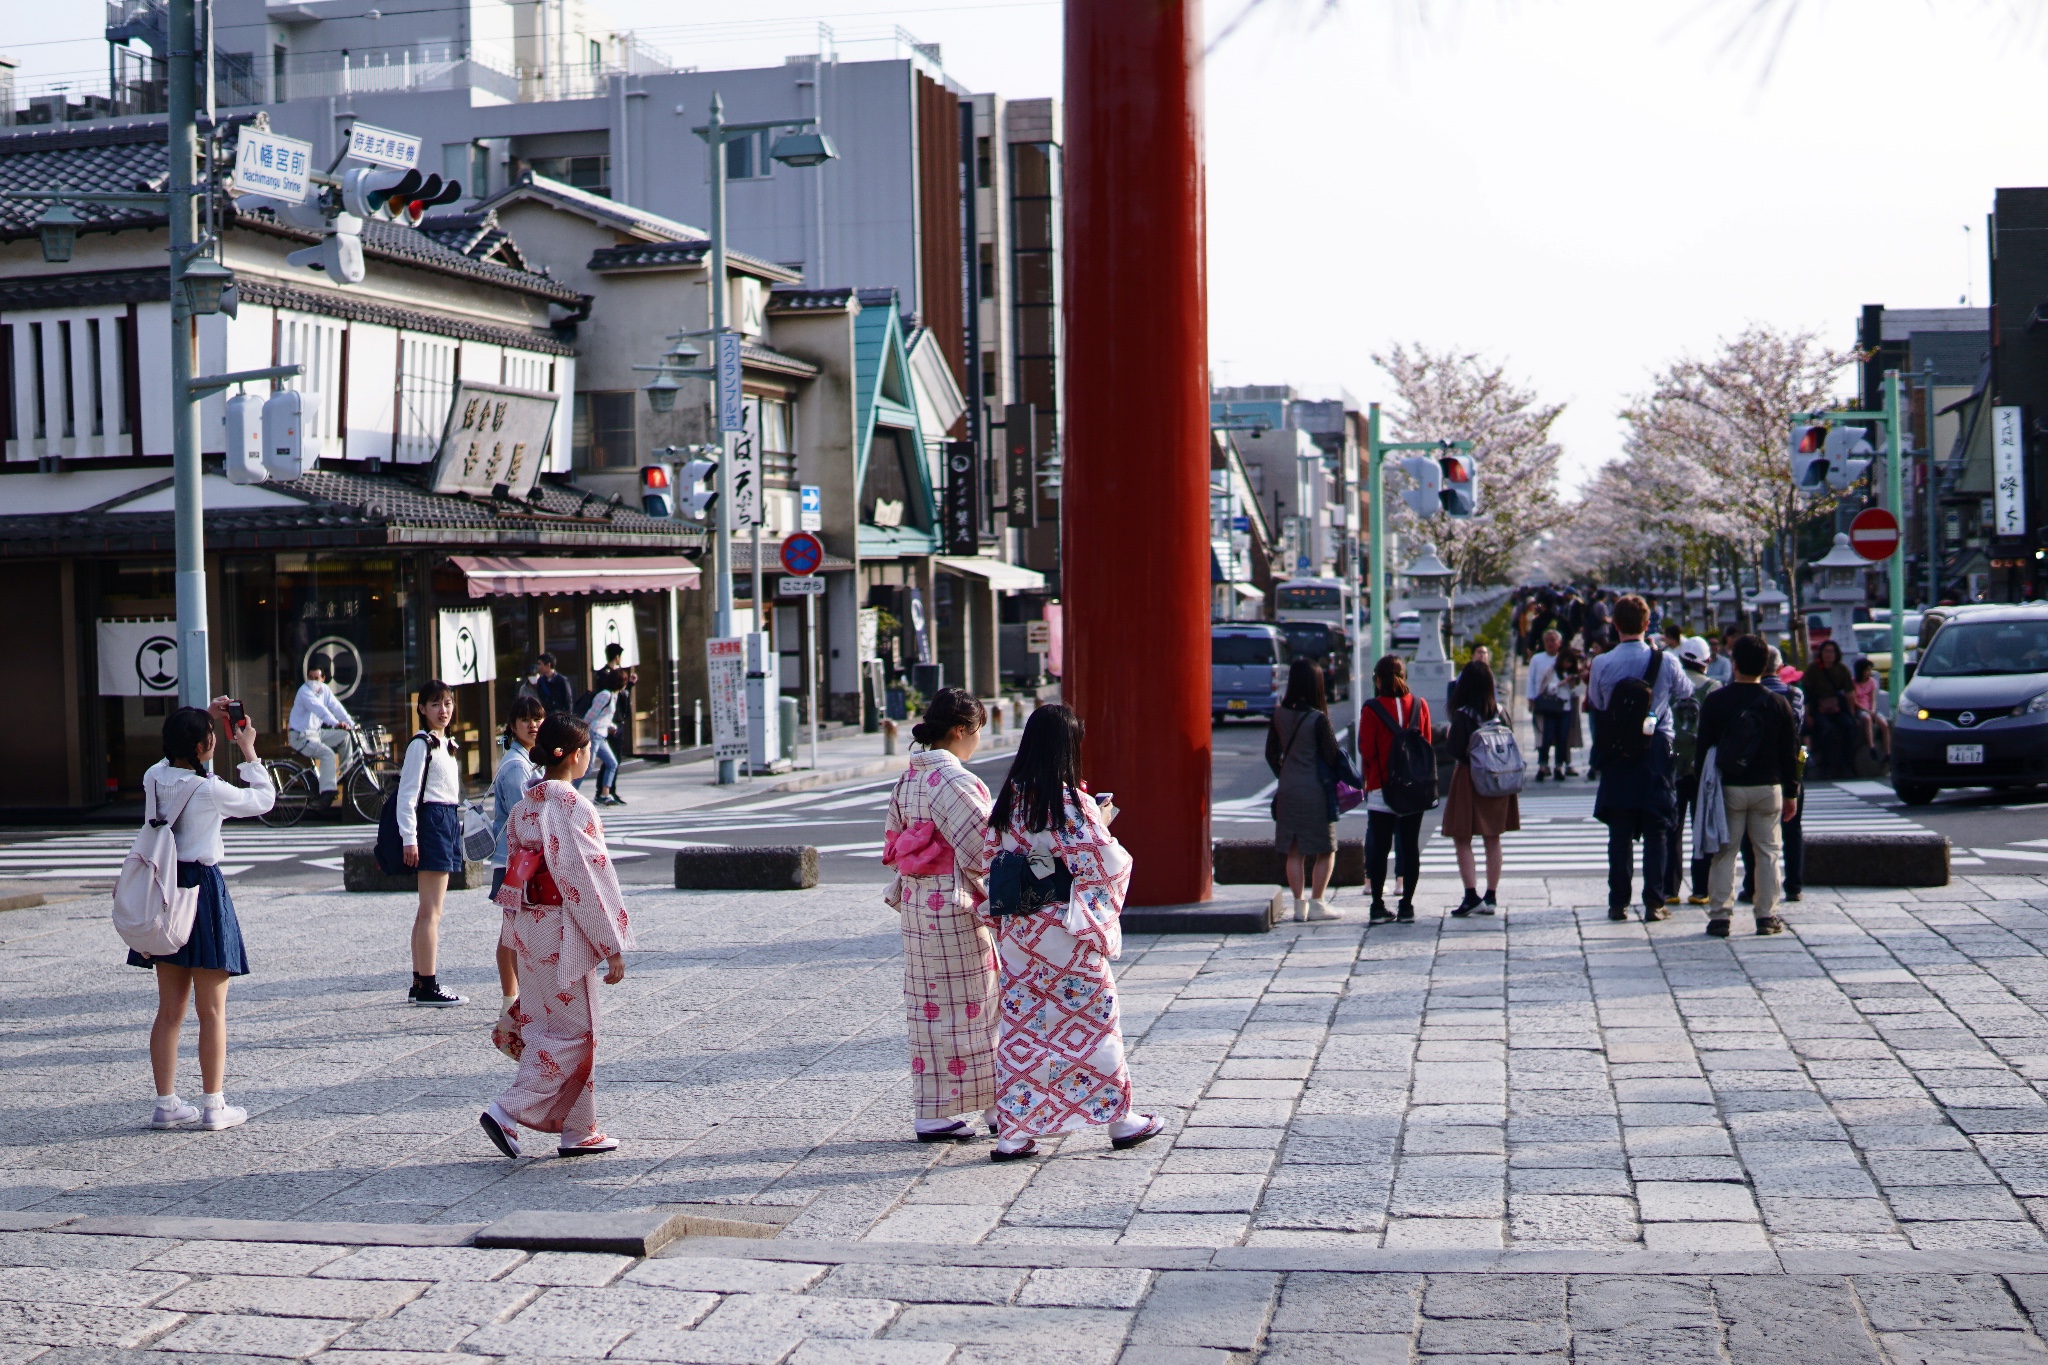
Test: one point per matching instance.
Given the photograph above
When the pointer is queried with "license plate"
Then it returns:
(1239, 704)
(1966, 753)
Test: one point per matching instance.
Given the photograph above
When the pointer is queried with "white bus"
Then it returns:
(1313, 599)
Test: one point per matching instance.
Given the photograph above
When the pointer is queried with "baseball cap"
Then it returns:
(1695, 651)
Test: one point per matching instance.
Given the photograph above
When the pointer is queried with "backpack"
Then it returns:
(152, 913)
(390, 850)
(1630, 704)
(1410, 785)
(1495, 759)
(1685, 726)
(1743, 742)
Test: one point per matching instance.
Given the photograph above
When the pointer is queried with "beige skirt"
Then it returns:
(1468, 815)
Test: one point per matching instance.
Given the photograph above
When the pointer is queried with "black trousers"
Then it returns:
(1795, 859)
(1674, 844)
(1622, 833)
(1401, 833)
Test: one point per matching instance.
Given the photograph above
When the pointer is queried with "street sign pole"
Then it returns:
(1376, 576)
(811, 670)
(1894, 480)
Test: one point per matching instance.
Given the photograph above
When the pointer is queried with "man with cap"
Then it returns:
(1695, 654)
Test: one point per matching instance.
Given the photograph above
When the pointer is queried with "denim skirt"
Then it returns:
(440, 836)
(216, 942)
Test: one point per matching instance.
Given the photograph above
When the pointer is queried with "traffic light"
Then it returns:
(688, 490)
(1849, 453)
(395, 196)
(1423, 499)
(1809, 458)
(1460, 492)
(290, 447)
(339, 254)
(657, 495)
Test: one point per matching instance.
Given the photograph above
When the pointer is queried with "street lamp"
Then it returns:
(58, 227)
(661, 391)
(804, 149)
(205, 281)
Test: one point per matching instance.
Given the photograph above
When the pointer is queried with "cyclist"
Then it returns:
(318, 718)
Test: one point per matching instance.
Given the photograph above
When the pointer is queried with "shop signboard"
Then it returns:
(138, 656)
(612, 623)
(469, 646)
(495, 439)
(726, 673)
(2008, 474)
(870, 633)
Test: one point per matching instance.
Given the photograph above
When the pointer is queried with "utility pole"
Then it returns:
(1895, 499)
(721, 566)
(194, 686)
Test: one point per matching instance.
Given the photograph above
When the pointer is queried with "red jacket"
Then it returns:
(1374, 743)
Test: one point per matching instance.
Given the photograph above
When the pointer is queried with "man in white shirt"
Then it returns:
(318, 722)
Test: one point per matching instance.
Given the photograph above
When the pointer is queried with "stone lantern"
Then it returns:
(1430, 670)
(1838, 579)
(1768, 608)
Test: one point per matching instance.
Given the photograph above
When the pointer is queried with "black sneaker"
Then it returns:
(618, 800)
(1467, 905)
(1654, 911)
(1488, 905)
(1717, 928)
(428, 992)
(1407, 913)
(1379, 914)
(1617, 913)
(1769, 924)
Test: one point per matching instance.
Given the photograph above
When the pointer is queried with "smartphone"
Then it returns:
(1105, 798)
(237, 717)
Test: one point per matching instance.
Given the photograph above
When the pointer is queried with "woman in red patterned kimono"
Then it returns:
(938, 818)
(568, 919)
(1060, 1058)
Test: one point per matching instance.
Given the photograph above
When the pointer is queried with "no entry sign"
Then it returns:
(1874, 534)
(802, 553)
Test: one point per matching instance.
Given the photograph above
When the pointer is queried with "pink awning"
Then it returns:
(520, 576)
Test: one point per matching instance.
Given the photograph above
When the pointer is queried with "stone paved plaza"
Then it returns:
(1484, 1139)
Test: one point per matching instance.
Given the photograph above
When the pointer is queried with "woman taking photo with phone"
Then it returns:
(183, 790)
(569, 919)
(1060, 1058)
(430, 829)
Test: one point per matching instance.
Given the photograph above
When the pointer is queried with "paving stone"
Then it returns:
(1639, 1303)
(823, 1351)
(1224, 1309)
(1475, 1336)
(580, 1269)
(1037, 1328)
(79, 1249)
(1320, 1302)
(1913, 1303)
(278, 1296)
(1810, 1319)
(1669, 1201)
(1318, 1348)
(1963, 1348)
(811, 1315)
(439, 1319)
(109, 1288)
(1518, 1297)
(421, 1263)
(82, 1325)
(245, 1258)
(719, 1275)
(706, 1346)
(1085, 1287)
(565, 1321)
(249, 1334)
(923, 1284)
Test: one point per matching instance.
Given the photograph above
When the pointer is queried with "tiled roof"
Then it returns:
(651, 254)
(344, 508)
(793, 298)
(134, 156)
(662, 232)
(762, 357)
(476, 235)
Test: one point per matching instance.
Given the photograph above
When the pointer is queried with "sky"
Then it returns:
(1583, 190)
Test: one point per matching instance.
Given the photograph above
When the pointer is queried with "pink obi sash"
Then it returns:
(918, 850)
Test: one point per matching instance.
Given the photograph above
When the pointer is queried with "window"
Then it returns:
(774, 419)
(10, 429)
(70, 399)
(523, 370)
(277, 90)
(746, 157)
(316, 344)
(426, 389)
(131, 374)
(590, 173)
(35, 345)
(988, 271)
(984, 167)
(99, 385)
(1035, 302)
(603, 436)
(596, 54)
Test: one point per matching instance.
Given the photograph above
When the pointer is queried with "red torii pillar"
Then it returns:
(1134, 543)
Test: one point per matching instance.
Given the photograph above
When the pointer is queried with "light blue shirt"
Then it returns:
(315, 706)
(1629, 659)
(515, 774)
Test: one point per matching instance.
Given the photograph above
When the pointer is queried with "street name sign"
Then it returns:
(277, 167)
(1874, 534)
(383, 147)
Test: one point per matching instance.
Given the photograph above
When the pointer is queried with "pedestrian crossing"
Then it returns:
(97, 856)
(1560, 837)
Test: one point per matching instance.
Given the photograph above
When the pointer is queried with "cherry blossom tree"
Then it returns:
(1459, 396)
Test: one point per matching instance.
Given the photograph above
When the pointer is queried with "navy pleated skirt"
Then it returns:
(216, 942)
(440, 836)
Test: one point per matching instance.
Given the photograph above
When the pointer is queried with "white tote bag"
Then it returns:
(152, 913)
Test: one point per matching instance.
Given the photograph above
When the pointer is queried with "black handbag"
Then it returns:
(1014, 890)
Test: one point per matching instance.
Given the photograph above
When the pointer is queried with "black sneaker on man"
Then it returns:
(1617, 913)
(1717, 928)
(1654, 910)
(1379, 914)
(1769, 924)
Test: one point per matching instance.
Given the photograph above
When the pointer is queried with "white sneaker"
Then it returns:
(176, 1115)
(1300, 910)
(218, 1116)
(1317, 910)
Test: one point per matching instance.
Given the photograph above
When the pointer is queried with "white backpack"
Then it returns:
(152, 913)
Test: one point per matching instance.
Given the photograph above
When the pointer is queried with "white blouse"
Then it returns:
(197, 829)
(443, 777)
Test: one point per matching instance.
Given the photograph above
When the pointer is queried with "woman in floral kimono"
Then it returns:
(1060, 1061)
(569, 918)
(938, 818)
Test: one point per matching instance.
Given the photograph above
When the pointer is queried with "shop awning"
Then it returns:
(1250, 592)
(1002, 577)
(520, 576)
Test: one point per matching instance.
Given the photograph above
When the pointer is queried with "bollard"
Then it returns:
(888, 738)
(995, 718)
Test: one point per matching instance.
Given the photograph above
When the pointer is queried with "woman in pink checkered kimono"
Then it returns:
(568, 921)
(1060, 1060)
(938, 818)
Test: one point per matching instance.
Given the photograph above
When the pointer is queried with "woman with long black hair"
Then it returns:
(1060, 1057)
(1467, 814)
(183, 789)
(1393, 708)
(1302, 751)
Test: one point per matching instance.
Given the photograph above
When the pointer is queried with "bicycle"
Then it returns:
(366, 778)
